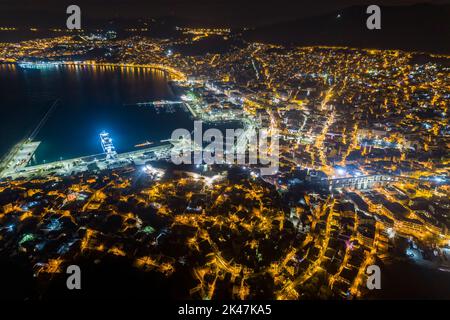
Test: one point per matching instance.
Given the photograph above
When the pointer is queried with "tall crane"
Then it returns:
(43, 120)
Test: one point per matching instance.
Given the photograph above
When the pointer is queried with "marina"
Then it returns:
(166, 106)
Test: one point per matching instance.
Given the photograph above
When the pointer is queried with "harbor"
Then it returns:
(73, 126)
(21, 154)
(166, 105)
(107, 160)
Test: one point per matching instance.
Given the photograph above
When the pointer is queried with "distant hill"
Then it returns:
(421, 27)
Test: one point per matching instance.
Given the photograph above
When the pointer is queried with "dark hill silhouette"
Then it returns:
(421, 27)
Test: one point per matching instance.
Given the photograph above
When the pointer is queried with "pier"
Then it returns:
(191, 110)
(155, 103)
(161, 103)
(21, 154)
(92, 162)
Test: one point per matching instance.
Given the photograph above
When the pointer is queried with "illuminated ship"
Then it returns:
(107, 145)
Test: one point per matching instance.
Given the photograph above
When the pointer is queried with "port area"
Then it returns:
(19, 156)
(93, 162)
(166, 104)
(191, 110)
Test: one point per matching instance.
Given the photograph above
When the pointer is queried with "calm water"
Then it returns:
(92, 99)
(408, 280)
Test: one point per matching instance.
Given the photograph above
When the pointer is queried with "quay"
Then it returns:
(191, 110)
(20, 155)
(94, 162)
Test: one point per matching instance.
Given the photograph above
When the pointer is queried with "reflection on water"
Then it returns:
(92, 99)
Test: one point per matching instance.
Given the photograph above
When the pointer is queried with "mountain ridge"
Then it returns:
(420, 27)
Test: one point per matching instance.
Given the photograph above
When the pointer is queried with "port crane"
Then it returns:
(43, 121)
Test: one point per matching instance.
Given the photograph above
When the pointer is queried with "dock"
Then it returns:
(93, 162)
(20, 155)
(192, 111)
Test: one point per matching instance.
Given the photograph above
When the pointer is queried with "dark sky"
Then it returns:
(220, 12)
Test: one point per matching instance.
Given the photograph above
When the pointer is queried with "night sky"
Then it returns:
(234, 13)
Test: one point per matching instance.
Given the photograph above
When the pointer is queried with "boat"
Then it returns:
(144, 144)
(107, 145)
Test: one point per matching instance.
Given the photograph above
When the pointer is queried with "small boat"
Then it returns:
(145, 144)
